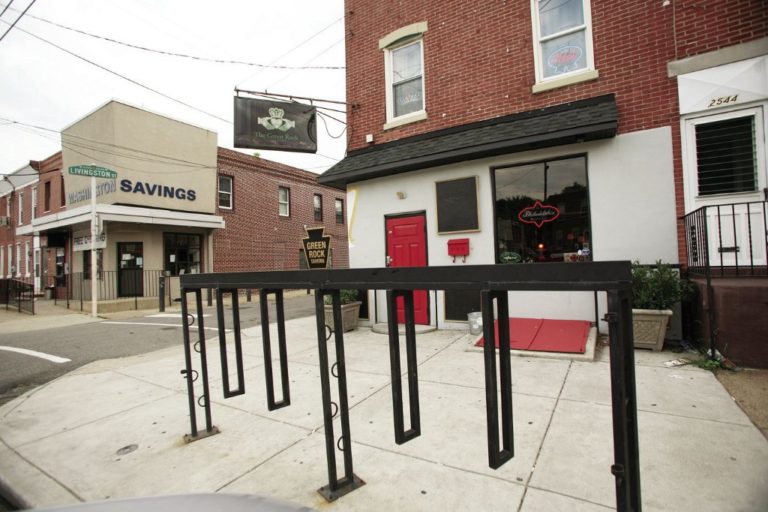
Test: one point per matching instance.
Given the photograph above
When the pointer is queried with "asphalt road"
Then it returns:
(108, 339)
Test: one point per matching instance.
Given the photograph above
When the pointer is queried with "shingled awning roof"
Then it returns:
(590, 119)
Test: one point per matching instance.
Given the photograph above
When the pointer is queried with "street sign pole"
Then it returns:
(93, 171)
(94, 229)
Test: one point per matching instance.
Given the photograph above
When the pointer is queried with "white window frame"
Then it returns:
(21, 208)
(2, 259)
(336, 203)
(314, 207)
(400, 38)
(287, 203)
(18, 259)
(580, 75)
(34, 203)
(231, 192)
(27, 259)
(9, 267)
(690, 164)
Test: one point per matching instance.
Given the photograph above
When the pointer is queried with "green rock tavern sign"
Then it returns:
(93, 171)
(317, 248)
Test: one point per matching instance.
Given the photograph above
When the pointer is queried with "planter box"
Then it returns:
(349, 316)
(649, 327)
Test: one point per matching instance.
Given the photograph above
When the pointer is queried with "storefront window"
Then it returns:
(542, 212)
(182, 253)
(87, 264)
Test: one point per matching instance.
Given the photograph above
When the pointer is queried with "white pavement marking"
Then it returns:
(172, 315)
(161, 325)
(35, 353)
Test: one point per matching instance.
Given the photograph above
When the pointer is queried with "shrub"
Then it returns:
(657, 287)
(347, 297)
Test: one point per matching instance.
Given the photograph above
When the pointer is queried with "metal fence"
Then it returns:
(19, 294)
(113, 285)
(728, 240)
(494, 284)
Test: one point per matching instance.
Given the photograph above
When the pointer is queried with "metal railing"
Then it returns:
(113, 285)
(728, 240)
(18, 293)
(496, 285)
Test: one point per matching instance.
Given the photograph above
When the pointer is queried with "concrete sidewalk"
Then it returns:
(114, 429)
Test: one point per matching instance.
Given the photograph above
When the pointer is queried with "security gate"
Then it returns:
(493, 283)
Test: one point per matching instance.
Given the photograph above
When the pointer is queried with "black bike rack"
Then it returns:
(494, 283)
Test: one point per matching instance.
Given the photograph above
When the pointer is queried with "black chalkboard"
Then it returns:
(457, 205)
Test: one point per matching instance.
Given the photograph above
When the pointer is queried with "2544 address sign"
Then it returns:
(722, 100)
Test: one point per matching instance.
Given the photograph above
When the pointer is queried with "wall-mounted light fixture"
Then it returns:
(402, 195)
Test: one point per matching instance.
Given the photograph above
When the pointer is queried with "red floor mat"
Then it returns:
(545, 335)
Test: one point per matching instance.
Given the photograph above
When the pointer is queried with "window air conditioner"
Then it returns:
(5, 221)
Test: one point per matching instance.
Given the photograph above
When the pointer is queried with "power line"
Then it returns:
(150, 89)
(309, 60)
(6, 7)
(169, 159)
(325, 123)
(71, 145)
(17, 19)
(294, 48)
(183, 55)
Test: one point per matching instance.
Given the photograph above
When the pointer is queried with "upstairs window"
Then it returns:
(21, 208)
(47, 196)
(225, 193)
(404, 68)
(563, 34)
(339, 207)
(317, 203)
(34, 203)
(284, 201)
(63, 197)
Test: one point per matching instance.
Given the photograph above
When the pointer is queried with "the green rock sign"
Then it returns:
(317, 248)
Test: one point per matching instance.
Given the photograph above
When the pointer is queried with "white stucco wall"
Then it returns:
(632, 203)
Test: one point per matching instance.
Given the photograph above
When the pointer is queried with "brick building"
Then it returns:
(550, 131)
(170, 202)
(263, 235)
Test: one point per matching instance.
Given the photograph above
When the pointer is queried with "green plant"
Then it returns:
(707, 364)
(657, 287)
(346, 296)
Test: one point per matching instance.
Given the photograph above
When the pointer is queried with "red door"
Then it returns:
(407, 247)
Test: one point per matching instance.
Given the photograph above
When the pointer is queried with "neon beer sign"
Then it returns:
(538, 214)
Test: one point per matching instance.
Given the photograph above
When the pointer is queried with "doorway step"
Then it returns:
(383, 328)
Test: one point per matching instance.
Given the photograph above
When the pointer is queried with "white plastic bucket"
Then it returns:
(475, 322)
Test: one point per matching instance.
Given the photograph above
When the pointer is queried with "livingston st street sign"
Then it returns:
(92, 171)
(316, 248)
(275, 125)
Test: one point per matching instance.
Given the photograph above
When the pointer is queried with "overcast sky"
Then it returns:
(44, 86)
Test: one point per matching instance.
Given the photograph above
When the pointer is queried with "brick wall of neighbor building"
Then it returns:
(479, 58)
(479, 64)
(256, 237)
(50, 170)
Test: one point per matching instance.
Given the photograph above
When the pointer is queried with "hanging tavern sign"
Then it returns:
(317, 248)
(538, 214)
(275, 125)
